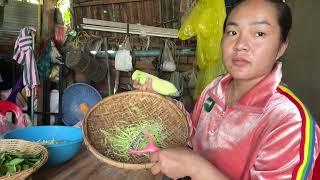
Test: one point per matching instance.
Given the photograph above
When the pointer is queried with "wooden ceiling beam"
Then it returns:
(110, 26)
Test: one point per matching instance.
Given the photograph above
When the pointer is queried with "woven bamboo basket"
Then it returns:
(113, 109)
(13, 145)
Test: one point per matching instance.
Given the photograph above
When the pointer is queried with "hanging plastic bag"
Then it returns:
(167, 60)
(5, 124)
(123, 59)
(206, 22)
(59, 34)
(55, 55)
(54, 75)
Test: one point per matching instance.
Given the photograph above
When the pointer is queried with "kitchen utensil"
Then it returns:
(150, 148)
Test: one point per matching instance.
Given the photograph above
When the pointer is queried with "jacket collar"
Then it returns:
(256, 98)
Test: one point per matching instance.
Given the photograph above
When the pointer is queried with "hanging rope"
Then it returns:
(81, 39)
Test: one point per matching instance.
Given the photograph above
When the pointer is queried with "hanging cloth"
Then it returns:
(23, 54)
(1, 80)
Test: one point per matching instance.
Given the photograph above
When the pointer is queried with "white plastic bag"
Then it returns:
(6, 124)
(167, 60)
(123, 59)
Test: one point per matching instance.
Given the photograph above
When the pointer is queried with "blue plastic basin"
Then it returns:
(69, 140)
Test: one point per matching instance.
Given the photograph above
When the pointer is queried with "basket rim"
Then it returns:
(69, 142)
(26, 173)
(110, 161)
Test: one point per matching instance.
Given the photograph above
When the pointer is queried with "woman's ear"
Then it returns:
(282, 49)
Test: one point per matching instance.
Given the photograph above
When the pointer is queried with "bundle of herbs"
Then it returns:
(11, 163)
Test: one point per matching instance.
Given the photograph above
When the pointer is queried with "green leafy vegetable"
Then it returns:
(118, 139)
(11, 163)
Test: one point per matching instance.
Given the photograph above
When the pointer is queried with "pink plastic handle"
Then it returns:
(150, 148)
(6, 106)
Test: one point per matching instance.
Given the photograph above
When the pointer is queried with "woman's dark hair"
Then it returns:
(284, 17)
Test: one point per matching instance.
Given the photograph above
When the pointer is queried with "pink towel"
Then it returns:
(23, 54)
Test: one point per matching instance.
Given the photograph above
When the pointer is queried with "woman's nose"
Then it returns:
(241, 43)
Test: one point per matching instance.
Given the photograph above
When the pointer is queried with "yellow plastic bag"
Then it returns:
(206, 22)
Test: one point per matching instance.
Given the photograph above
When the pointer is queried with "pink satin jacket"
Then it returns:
(268, 134)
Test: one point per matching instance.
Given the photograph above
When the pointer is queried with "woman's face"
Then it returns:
(251, 42)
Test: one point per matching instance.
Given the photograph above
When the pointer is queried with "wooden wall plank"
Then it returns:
(176, 23)
(132, 12)
(48, 23)
(139, 11)
(101, 2)
(148, 13)
(155, 13)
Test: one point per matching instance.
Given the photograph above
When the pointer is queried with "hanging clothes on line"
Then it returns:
(23, 54)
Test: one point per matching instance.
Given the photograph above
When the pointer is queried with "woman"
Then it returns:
(246, 125)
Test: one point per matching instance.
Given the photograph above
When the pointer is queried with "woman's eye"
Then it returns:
(260, 34)
(231, 33)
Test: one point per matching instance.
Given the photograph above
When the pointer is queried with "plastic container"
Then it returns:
(69, 140)
(73, 96)
(54, 104)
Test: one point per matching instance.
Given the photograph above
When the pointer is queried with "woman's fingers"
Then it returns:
(144, 87)
(147, 86)
(136, 85)
(155, 169)
(154, 157)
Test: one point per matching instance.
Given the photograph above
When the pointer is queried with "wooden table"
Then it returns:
(84, 166)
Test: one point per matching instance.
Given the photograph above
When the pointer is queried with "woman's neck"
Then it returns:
(238, 88)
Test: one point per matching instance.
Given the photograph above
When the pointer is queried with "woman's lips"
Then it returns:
(240, 61)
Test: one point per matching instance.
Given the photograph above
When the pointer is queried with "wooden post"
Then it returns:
(46, 33)
(48, 20)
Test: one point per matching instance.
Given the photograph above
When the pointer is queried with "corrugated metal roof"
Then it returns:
(17, 15)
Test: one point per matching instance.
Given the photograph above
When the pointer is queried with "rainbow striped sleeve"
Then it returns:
(302, 170)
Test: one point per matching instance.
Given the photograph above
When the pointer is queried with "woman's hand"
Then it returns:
(172, 162)
(181, 162)
(147, 86)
